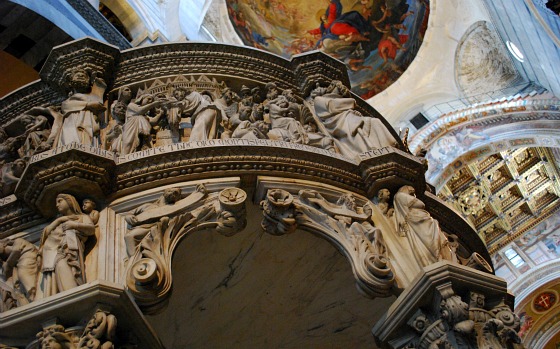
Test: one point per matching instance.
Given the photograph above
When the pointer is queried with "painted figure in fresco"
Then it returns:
(20, 265)
(353, 133)
(136, 133)
(62, 247)
(78, 120)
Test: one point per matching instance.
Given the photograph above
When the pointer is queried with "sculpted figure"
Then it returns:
(284, 116)
(55, 337)
(175, 108)
(10, 175)
(62, 247)
(88, 207)
(425, 239)
(37, 133)
(21, 266)
(353, 133)
(136, 133)
(78, 120)
(139, 229)
(205, 116)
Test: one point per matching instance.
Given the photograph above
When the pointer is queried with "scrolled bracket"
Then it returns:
(148, 275)
(343, 223)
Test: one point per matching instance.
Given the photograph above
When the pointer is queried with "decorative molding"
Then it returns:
(94, 18)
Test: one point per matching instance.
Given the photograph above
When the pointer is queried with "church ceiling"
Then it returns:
(506, 193)
(376, 39)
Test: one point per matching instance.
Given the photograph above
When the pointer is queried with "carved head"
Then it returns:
(144, 99)
(54, 337)
(348, 201)
(271, 90)
(88, 205)
(125, 94)
(67, 205)
(79, 79)
(119, 110)
(289, 94)
(407, 189)
(245, 91)
(383, 195)
(18, 167)
(171, 195)
(180, 93)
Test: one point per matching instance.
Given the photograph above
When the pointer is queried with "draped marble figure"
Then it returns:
(78, 121)
(427, 241)
(353, 133)
(62, 247)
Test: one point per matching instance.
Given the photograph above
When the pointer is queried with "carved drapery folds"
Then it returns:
(347, 225)
(156, 228)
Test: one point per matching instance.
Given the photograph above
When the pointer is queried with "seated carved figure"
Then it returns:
(139, 229)
(284, 116)
(353, 133)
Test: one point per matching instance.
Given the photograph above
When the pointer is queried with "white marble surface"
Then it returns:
(254, 290)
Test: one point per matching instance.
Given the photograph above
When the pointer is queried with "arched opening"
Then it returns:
(255, 290)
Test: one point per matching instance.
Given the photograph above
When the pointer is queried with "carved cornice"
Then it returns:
(74, 169)
(36, 94)
(69, 308)
(15, 216)
(85, 53)
(238, 157)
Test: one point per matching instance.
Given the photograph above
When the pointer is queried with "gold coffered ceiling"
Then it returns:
(507, 193)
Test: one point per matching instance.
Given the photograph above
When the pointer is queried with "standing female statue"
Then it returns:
(425, 239)
(62, 247)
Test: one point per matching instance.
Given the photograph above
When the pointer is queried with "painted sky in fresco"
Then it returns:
(376, 39)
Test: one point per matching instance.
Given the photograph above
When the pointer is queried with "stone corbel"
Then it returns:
(343, 223)
(447, 307)
(148, 275)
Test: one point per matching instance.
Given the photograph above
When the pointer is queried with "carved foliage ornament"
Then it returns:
(156, 228)
(458, 323)
(344, 223)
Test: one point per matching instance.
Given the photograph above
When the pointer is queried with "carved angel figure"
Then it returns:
(62, 247)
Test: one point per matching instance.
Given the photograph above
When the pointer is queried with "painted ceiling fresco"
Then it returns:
(376, 39)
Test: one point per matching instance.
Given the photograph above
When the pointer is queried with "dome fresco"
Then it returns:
(376, 39)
